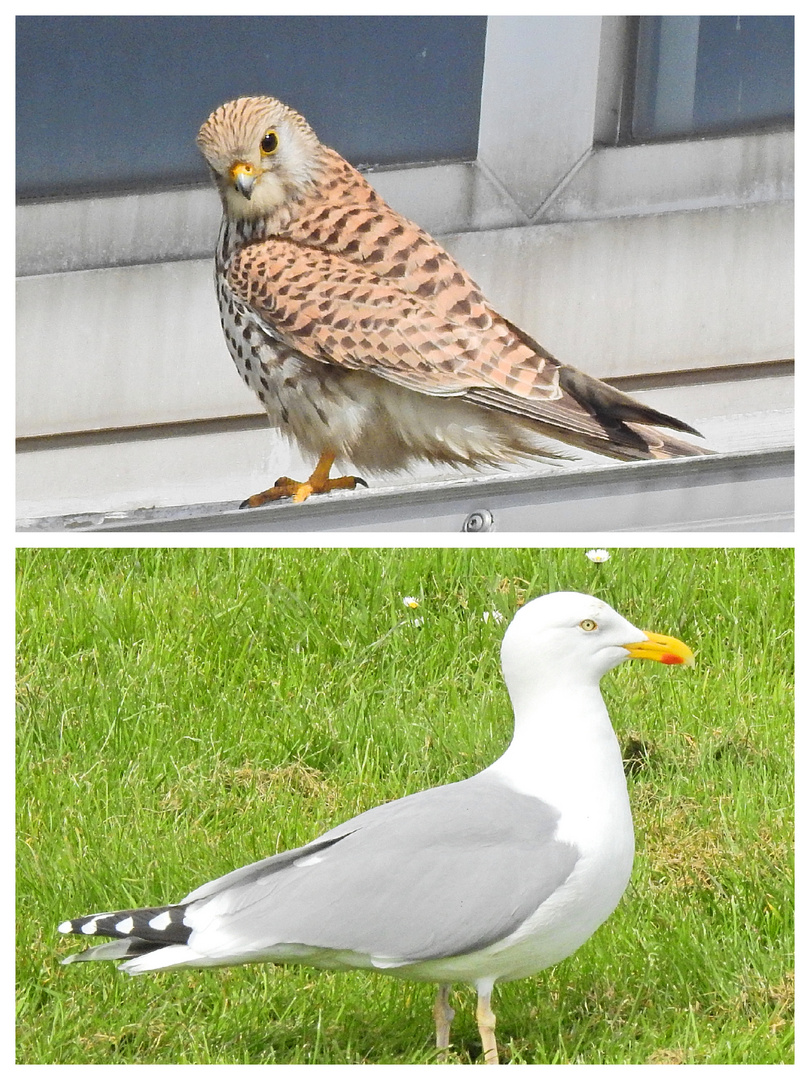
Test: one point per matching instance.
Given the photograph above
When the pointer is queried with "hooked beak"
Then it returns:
(666, 650)
(244, 177)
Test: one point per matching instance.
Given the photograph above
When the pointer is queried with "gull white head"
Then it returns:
(566, 636)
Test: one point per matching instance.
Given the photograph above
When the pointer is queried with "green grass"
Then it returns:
(185, 711)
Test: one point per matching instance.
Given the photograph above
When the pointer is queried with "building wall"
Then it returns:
(623, 260)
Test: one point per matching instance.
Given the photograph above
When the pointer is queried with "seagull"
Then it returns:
(486, 880)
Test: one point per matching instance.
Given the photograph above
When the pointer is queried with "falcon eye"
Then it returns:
(587, 624)
(269, 143)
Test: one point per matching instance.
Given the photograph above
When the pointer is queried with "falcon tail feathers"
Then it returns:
(566, 421)
(607, 403)
(595, 416)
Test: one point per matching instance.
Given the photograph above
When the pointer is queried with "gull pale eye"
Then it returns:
(588, 624)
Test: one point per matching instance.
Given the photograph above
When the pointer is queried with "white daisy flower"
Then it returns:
(597, 555)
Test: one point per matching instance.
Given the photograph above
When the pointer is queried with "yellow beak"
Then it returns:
(244, 177)
(666, 650)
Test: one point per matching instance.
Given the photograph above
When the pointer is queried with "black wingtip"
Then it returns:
(611, 406)
(680, 425)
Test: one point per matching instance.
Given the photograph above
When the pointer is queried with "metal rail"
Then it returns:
(751, 491)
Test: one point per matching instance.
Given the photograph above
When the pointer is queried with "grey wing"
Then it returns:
(440, 873)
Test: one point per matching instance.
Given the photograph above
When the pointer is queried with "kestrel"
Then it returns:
(365, 340)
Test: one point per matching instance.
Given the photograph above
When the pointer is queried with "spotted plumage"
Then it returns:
(363, 338)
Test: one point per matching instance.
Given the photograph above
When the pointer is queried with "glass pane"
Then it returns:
(712, 74)
(114, 103)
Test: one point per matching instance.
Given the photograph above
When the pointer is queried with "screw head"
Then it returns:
(479, 521)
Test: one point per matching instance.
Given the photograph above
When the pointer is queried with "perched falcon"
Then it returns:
(364, 340)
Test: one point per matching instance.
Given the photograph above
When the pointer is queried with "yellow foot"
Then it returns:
(299, 490)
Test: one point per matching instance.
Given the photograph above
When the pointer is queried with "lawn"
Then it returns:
(182, 712)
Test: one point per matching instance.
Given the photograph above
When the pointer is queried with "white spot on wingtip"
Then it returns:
(65, 928)
(161, 921)
(89, 927)
(126, 925)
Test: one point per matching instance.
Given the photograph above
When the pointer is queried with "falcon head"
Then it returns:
(262, 154)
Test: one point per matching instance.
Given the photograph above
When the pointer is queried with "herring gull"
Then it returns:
(486, 880)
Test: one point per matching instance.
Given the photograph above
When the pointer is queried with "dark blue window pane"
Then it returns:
(713, 74)
(745, 71)
(114, 103)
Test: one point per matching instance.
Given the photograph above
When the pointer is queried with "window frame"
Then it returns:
(583, 178)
